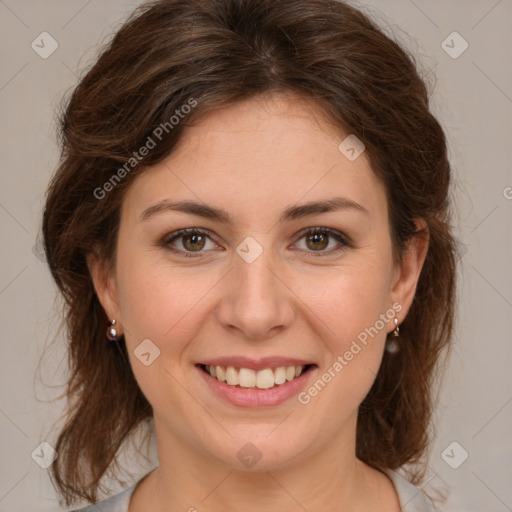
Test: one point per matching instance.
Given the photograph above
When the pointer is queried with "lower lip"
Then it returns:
(247, 397)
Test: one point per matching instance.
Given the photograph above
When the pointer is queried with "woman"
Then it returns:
(250, 227)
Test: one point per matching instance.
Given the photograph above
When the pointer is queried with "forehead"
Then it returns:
(257, 156)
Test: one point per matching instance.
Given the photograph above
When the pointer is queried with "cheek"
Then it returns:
(351, 306)
(162, 301)
(161, 306)
(350, 299)
(156, 303)
(352, 341)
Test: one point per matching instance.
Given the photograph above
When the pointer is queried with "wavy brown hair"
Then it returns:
(220, 52)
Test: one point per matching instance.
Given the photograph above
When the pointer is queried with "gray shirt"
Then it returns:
(412, 499)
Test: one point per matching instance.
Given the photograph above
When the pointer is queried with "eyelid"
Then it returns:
(176, 235)
(342, 239)
(330, 231)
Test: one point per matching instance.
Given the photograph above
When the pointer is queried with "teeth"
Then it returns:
(261, 379)
(231, 376)
(221, 374)
(264, 379)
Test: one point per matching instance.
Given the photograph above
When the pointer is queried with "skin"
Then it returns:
(254, 159)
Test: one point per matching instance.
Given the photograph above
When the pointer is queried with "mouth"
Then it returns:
(266, 378)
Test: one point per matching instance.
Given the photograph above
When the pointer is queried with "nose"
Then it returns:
(256, 300)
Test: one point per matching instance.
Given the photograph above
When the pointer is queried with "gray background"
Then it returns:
(472, 96)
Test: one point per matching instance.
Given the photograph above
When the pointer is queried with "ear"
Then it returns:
(407, 272)
(104, 285)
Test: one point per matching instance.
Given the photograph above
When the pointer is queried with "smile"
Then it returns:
(266, 378)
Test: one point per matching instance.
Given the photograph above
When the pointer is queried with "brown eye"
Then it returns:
(193, 240)
(318, 239)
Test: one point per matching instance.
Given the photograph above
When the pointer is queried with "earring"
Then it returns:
(392, 346)
(112, 331)
(113, 335)
(396, 332)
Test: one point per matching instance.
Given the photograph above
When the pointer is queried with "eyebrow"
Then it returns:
(219, 215)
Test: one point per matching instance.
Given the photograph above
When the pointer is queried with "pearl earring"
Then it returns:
(112, 331)
(392, 346)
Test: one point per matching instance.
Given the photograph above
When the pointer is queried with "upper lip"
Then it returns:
(255, 364)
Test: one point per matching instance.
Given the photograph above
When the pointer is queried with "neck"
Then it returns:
(328, 480)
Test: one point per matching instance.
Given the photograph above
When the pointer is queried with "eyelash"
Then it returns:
(309, 231)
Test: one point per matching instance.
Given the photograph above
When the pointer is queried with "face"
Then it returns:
(257, 286)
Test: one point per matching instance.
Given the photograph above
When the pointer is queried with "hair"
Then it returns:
(209, 55)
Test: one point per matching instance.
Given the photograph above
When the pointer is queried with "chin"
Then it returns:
(261, 452)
